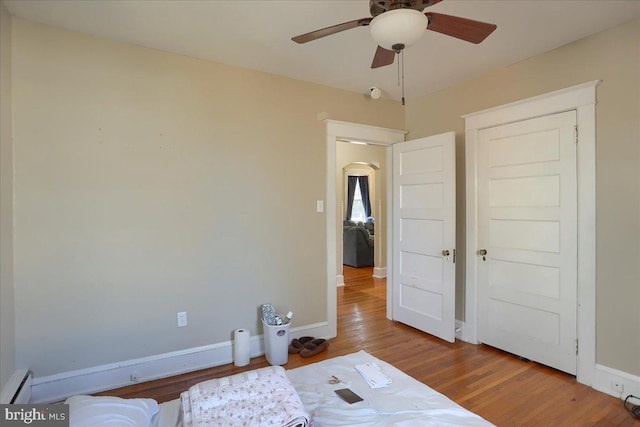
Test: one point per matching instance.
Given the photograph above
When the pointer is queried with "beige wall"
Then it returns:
(348, 154)
(614, 57)
(149, 183)
(7, 325)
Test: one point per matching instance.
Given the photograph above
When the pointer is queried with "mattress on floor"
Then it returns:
(404, 402)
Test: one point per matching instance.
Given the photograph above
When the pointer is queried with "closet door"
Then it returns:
(527, 219)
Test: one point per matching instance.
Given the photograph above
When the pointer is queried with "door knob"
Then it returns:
(445, 252)
(483, 252)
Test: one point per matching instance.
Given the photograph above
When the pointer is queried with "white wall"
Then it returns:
(7, 325)
(148, 183)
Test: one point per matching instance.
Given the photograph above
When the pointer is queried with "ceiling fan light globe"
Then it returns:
(398, 27)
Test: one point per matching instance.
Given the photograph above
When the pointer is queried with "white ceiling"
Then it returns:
(257, 35)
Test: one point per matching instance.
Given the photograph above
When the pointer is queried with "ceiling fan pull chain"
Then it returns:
(402, 60)
(398, 55)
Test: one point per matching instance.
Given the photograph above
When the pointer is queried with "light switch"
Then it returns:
(319, 206)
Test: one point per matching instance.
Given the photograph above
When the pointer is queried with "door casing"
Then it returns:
(345, 131)
(582, 99)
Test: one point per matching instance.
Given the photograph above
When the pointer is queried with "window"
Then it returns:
(357, 211)
(358, 204)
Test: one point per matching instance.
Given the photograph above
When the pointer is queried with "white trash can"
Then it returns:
(276, 343)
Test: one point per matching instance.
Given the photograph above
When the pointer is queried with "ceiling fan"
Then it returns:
(395, 24)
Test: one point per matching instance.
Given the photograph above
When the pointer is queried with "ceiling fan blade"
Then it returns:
(383, 57)
(313, 35)
(460, 28)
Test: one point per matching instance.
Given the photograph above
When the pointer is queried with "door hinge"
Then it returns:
(575, 128)
(576, 346)
(454, 256)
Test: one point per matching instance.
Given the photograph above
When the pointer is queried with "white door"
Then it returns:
(423, 277)
(527, 214)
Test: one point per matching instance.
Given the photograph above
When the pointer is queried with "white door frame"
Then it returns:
(581, 98)
(344, 131)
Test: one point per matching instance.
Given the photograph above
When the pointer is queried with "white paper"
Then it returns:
(373, 375)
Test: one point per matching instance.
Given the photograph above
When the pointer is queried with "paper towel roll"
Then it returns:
(241, 347)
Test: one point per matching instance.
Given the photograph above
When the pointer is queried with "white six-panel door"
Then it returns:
(527, 217)
(423, 278)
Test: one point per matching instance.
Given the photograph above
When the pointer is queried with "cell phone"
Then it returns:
(348, 396)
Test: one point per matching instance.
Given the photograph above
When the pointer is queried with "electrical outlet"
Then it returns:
(182, 319)
(617, 386)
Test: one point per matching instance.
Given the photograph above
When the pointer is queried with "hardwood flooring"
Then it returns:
(500, 387)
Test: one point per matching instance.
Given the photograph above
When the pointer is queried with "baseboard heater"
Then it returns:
(18, 388)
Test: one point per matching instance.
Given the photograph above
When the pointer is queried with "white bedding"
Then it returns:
(405, 402)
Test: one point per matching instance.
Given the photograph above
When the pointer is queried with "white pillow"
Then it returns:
(105, 411)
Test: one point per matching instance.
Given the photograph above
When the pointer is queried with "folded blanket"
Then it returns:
(262, 397)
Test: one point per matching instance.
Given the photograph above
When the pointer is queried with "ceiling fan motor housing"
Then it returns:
(376, 7)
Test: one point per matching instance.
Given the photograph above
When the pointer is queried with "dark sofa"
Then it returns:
(357, 250)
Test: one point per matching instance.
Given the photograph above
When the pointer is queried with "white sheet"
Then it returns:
(406, 402)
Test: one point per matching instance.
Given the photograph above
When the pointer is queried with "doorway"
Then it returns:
(388, 138)
(366, 247)
(338, 131)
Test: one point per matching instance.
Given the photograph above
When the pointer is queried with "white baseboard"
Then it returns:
(339, 280)
(55, 388)
(380, 272)
(606, 378)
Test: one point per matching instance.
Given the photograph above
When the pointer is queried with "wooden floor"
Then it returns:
(500, 387)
